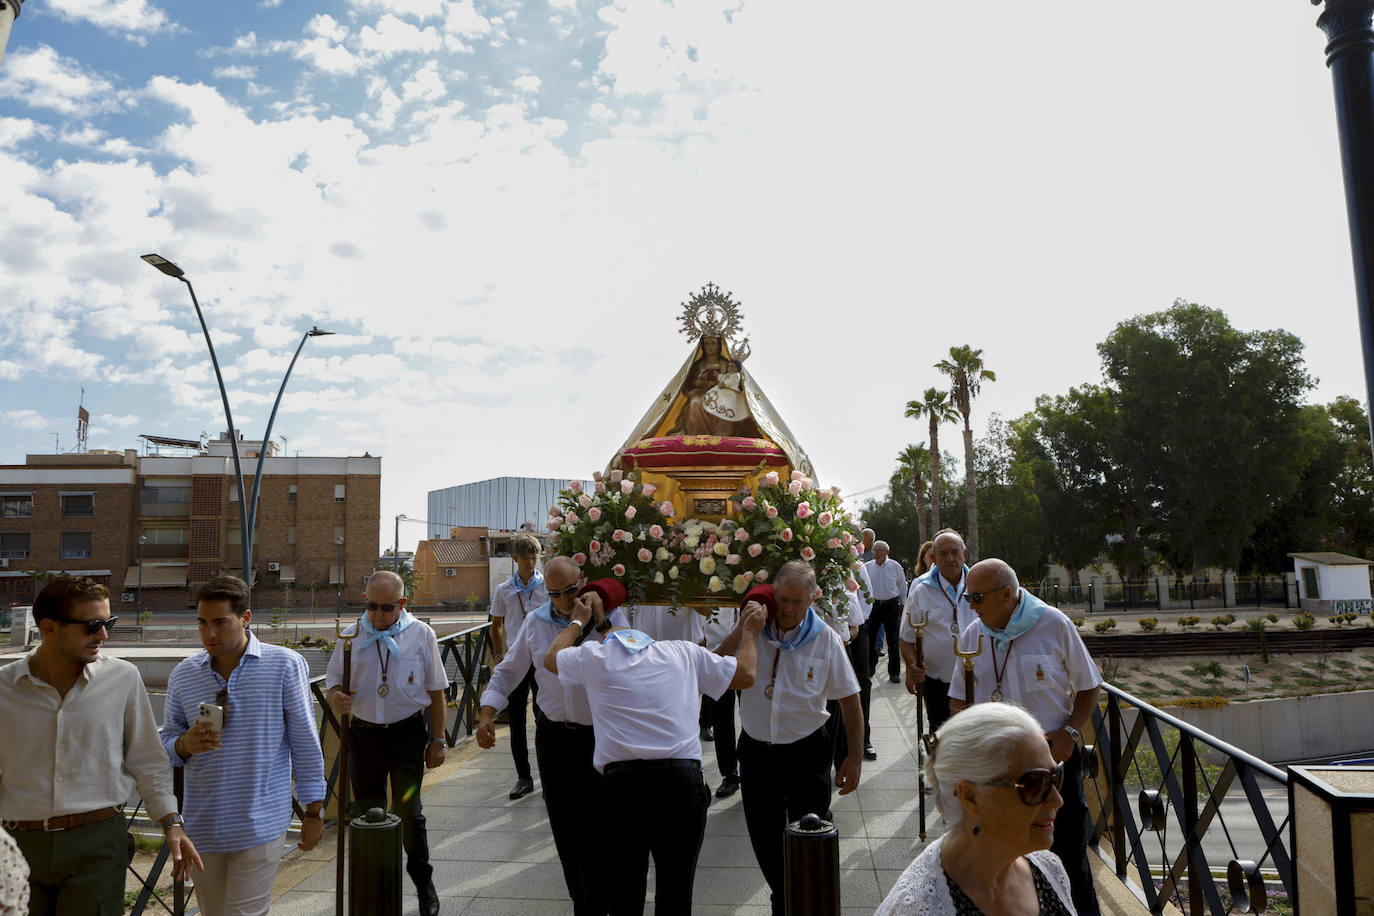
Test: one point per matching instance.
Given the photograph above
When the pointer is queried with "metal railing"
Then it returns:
(464, 659)
(1177, 806)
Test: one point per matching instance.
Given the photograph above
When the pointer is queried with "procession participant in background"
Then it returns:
(718, 628)
(851, 627)
(1033, 656)
(889, 591)
(239, 774)
(397, 703)
(512, 601)
(63, 810)
(662, 623)
(937, 598)
(866, 550)
(927, 560)
(563, 735)
(785, 742)
(643, 697)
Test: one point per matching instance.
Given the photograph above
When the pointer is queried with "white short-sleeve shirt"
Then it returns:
(718, 627)
(644, 704)
(930, 595)
(513, 605)
(807, 678)
(1043, 670)
(663, 624)
(410, 676)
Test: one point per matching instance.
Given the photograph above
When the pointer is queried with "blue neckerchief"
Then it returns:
(811, 627)
(546, 613)
(633, 640)
(536, 580)
(1022, 619)
(388, 635)
(938, 582)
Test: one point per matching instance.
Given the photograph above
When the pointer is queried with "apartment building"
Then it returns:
(153, 528)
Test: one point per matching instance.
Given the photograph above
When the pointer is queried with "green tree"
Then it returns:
(893, 517)
(913, 463)
(1207, 418)
(1010, 519)
(1351, 516)
(934, 406)
(966, 376)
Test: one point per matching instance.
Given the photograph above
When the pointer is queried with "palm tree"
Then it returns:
(936, 406)
(913, 464)
(966, 376)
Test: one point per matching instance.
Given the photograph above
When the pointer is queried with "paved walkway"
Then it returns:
(495, 856)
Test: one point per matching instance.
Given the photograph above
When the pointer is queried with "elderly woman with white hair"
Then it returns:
(998, 789)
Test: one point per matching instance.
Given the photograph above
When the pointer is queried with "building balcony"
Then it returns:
(164, 510)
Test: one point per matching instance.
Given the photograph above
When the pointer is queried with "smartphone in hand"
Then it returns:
(212, 715)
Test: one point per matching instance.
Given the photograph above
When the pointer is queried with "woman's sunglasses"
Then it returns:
(1033, 785)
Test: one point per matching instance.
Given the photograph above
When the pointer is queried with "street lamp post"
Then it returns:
(9, 11)
(396, 547)
(248, 507)
(339, 596)
(142, 539)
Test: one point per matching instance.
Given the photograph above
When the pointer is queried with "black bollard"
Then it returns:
(374, 867)
(811, 867)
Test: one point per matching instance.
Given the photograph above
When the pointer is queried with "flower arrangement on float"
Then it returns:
(619, 530)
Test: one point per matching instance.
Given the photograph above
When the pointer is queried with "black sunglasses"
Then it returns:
(563, 592)
(978, 597)
(1033, 785)
(92, 626)
(384, 608)
(222, 701)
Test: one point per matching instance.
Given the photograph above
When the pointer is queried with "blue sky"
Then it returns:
(499, 205)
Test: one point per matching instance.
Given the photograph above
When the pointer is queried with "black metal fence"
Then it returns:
(1187, 814)
(464, 658)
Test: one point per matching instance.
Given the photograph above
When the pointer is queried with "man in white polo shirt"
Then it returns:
(1033, 656)
(644, 698)
(563, 738)
(785, 744)
(511, 602)
(937, 598)
(889, 591)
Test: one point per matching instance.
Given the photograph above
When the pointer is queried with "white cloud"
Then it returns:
(528, 84)
(42, 78)
(569, 5)
(395, 36)
(414, 9)
(269, 4)
(18, 131)
(236, 72)
(425, 85)
(131, 16)
(462, 21)
(26, 419)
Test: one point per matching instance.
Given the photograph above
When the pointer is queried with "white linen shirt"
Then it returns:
(865, 607)
(718, 627)
(807, 678)
(510, 604)
(86, 750)
(644, 704)
(888, 579)
(1046, 666)
(557, 701)
(417, 670)
(930, 595)
(661, 624)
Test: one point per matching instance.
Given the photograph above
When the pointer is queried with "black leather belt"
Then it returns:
(662, 763)
(541, 719)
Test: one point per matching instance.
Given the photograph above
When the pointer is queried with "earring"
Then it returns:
(977, 830)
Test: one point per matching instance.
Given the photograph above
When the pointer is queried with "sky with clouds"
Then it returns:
(498, 205)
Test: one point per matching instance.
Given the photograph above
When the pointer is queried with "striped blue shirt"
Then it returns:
(239, 795)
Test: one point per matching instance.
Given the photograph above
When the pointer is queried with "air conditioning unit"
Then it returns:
(274, 567)
(127, 597)
(450, 572)
(4, 562)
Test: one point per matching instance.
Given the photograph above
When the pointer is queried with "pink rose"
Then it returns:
(580, 558)
(631, 512)
(833, 544)
(655, 531)
(685, 558)
(761, 576)
(732, 560)
(770, 479)
(797, 475)
(600, 487)
(852, 584)
(816, 594)
(667, 509)
(848, 537)
(584, 500)
(806, 483)
(711, 541)
(553, 538)
(808, 554)
(772, 512)
(617, 535)
(555, 512)
(786, 535)
(618, 569)
(794, 487)
(616, 475)
(552, 524)
(825, 518)
(649, 490)
(755, 549)
(804, 510)
(594, 514)
(575, 486)
(749, 504)
(596, 475)
(741, 534)
(573, 519)
(627, 487)
(749, 576)
(594, 546)
(853, 551)
(644, 555)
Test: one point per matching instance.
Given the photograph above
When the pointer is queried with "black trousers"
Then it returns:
(1072, 831)
(571, 786)
(936, 693)
(516, 705)
(886, 614)
(394, 754)
(860, 660)
(659, 812)
(780, 783)
(723, 722)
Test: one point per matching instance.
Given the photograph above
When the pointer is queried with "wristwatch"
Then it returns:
(176, 820)
(1073, 733)
(439, 741)
(318, 812)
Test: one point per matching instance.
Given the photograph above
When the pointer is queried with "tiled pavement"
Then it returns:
(496, 856)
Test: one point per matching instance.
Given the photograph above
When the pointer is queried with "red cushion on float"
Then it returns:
(703, 451)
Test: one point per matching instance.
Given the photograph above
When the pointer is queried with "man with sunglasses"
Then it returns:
(563, 735)
(398, 707)
(80, 737)
(239, 775)
(1033, 656)
(938, 599)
